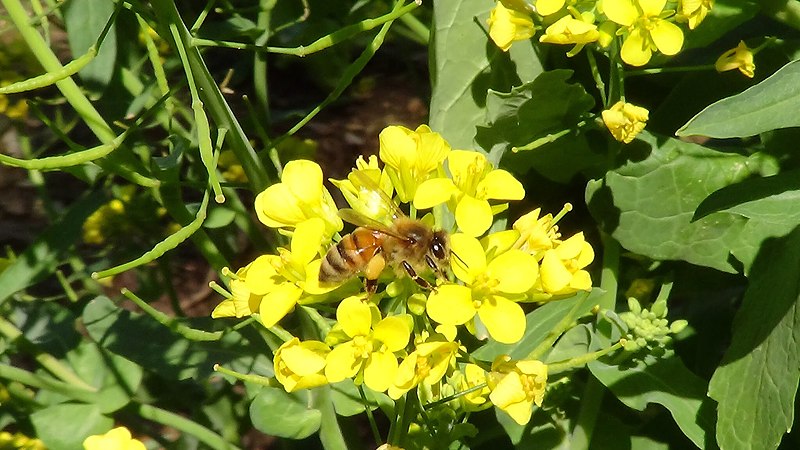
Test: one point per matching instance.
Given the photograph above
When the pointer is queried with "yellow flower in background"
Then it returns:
(510, 21)
(427, 364)
(298, 197)
(547, 7)
(694, 11)
(13, 110)
(104, 221)
(740, 58)
(491, 290)
(301, 365)
(117, 439)
(570, 30)
(368, 355)
(647, 30)
(362, 197)
(474, 182)
(19, 441)
(411, 156)
(561, 272)
(625, 120)
(517, 386)
(473, 376)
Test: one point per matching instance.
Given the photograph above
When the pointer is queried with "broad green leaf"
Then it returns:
(115, 377)
(543, 431)
(330, 433)
(43, 256)
(665, 381)
(347, 400)
(648, 203)
(542, 107)
(540, 322)
(65, 426)
(575, 342)
(141, 339)
(278, 413)
(756, 383)
(760, 108)
(465, 64)
(84, 21)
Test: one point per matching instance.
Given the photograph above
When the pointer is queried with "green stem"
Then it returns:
(322, 43)
(557, 330)
(48, 361)
(591, 401)
(598, 79)
(421, 33)
(581, 361)
(656, 70)
(37, 381)
(444, 400)
(552, 137)
(260, 67)
(170, 322)
(203, 434)
(249, 378)
(122, 162)
(372, 424)
(610, 272)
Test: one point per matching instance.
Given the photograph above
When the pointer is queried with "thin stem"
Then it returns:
(181, 423)
(421, 33)
(610, 272)
(598, 79)
(250, 378)
(372, 424)
(444, 400)
(658, 70)
(552, 137)
(581, 361)
(41, 382)
(170, 322)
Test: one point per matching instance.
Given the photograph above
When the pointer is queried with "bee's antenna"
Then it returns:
(459, 258)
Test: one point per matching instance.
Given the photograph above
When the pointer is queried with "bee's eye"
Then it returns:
(438, 250)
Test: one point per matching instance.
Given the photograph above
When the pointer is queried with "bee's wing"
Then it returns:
(360, 220)
(370, 184)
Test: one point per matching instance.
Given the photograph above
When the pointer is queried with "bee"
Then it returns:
(407, 245)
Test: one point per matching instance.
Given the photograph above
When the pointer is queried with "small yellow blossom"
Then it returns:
(547, 7)
(104, 221)
(411, 156)
(570, 30)
(362, 197)
(536, 234)
(472, 377)
(694, 11)
(19, 441)
(625, 120)
(646, 29)
(510, 21)
(301, 365)
(517, 386)
(740, 58)
(231, 169)
(562, 270)
(298, 197)
(368, 355)
(242, 302)
(13, 110)
(474, 182)
(426, 364)
(117, 439)
(491, 290)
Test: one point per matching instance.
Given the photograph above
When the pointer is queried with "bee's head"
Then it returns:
(440, 246)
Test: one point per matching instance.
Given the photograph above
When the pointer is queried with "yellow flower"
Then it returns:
(510, 21)
(536, 234)
(571, 30)
(363, 198)
(301, 365)
(298, 197)
(473, 376)
(117, 439)
(14, 111)
(233, 171)
(473, 184)
(104, 222)
(516, 386)
(547, 7)
(426, 364)
(625, 120)
(491, 289)
(243, 302)
(19, 441)
(411, 156)
(368, 355)
(562, 271)
(740, 58)
(647, 30)
(694, 11)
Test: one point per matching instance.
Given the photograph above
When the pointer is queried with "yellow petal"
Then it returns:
(499, 242)
(433, 192)
(397, 147)
(380, 370)
(652, 8)
(469, 258)
(623, 12)
(547, 7)
(521, 412)
(393, 332)
(304, 179)
(276, 207)
(667, 36)
(500, 185)
(306, 358)
(508, 391)
(473, 216)
(504, 319)
(464, 164)
(451, 304)
(341, 363)
(275, 305)
(225, 309)
(514, 271)
(306, 240)
(354, 316)
(431, 151)
(261, 275)
(636, 48)
(554, 274)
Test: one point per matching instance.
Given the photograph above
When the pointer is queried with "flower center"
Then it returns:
(362, 347)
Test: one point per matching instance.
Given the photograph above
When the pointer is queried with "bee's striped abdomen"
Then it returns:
(349, 256)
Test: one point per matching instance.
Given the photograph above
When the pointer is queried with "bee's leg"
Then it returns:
(372, 271)
(422, 282)
(435, 267)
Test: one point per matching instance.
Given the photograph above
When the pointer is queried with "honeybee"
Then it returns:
(406, 244)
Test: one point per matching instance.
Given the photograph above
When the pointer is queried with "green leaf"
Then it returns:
(665, 381)
(43, 256)
(84, 21)
(546, 106)
(278, 413)
(648, 203)
(115, 377)
(760, 108)
(65, 426)
(466, 64)
(141, 339)
(540, 322)
(756, 383)
(330, 433)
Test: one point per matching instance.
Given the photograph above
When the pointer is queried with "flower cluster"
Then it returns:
(409, 334)
(645, 26)
(119, 439)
